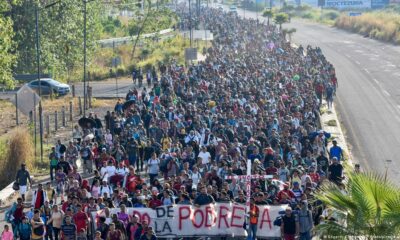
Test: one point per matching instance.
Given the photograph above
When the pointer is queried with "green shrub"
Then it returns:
(121, 70)
(308, 15)
(331, 15)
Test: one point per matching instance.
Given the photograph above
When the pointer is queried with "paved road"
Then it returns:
(101, 89)
(368, 98)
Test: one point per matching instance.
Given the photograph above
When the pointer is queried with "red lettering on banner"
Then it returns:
(195, 224)
(210, 213)
(183, 217)
(235, 215)
(223, 214)
(144, 217)
(265, 218)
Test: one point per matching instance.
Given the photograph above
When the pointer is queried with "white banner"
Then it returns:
(220, 219)
(348, 4)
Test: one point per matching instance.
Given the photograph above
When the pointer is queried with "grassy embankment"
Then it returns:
(383, 25)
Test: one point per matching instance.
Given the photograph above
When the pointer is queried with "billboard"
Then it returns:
(348, 4)
(379, 3)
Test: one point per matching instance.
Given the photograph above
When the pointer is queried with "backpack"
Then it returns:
(164, 165)
(278, 221)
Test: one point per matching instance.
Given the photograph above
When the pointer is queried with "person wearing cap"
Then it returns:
(22, 179)
(290, 225)
(297, 191)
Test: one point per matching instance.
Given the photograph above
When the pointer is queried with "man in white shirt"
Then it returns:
(205, 156)
(192, 137)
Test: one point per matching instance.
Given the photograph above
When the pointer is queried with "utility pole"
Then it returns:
(190, 24)
(40, 85)
(38, 77)
(84, 59)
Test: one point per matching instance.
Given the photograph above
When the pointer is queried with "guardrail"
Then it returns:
(123, 40)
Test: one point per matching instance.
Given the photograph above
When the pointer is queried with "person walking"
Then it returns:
(7, 234)
(22, 179)
(290, 225)
(68, 230)
(306, 223)
(56, 221)
(254, 213)
(39, 197)
(37, 226)
(53, 157)
(336, 151)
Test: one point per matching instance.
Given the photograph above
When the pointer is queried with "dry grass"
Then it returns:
(16, 149)
(383, 25)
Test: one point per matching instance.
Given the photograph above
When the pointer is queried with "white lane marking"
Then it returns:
(376, 81)
(386, 92)
(347, 55)
(398, 106)
(358, 62)
(366, 70)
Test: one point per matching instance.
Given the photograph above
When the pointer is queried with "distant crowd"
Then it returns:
(182, 138)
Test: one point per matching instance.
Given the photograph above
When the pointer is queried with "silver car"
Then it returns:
(50, 86)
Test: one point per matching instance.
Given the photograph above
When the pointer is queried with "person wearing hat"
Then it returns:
(290, 225)
(22, 179)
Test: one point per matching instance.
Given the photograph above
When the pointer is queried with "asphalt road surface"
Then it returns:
(368, 97)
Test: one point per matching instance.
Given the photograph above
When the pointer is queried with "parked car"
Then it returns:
(233, 9)
(50, 86)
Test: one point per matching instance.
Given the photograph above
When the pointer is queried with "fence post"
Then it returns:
(73, 90)
(70, 111)
(80, 105)
(55, 120)
(16, 109)
(63, 115)
(48, 125)
(30, 117)
(90, 96)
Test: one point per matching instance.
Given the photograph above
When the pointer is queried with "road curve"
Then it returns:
(368, 98)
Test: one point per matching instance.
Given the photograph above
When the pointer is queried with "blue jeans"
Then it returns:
(305, 235)
(252, 232)
(132, 159)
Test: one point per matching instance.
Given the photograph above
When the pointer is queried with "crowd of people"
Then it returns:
(254, 97)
